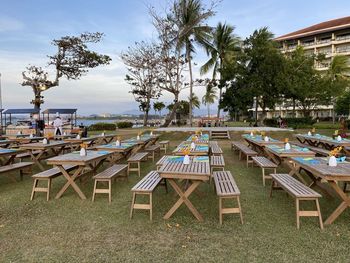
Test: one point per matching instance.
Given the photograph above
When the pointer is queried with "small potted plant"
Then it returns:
(313, 131)
(186, 153)
(286, 144)
(83, 149)
(118, 141)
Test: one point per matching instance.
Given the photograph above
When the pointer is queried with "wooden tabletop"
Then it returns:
(203, 137)
(124, 146)
(41, 146)
(295, 151)
(7, 152)
(143, 139)
(259, 140)
(28, 139)
(193, 171)
(201, 148)
(319, 167)
(75, 158)
(81, 140)
(325, 139)
(6, 142)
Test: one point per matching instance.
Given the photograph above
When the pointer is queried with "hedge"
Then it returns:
(124, 125)
(291, 122)
(102, 126)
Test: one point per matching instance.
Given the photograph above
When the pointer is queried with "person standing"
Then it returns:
(57, 124)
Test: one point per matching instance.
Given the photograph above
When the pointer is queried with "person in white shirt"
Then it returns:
(57, 124)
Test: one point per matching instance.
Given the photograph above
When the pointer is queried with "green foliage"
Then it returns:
(124, 125)
(342, 106)
(103, 126)
(295, 123)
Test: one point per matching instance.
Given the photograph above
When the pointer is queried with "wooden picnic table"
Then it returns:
(317, 169)
(279, 155)
(143, 142)
(195, 172)
(25, 140)
(54, 147)
(120, 152)
(75, 143)
(326, 142)
(93, 160)
(106, 139)
(64, 137)
(257, 142)
(203, 137)
(7, 143)
(7, 156)
(201, 149)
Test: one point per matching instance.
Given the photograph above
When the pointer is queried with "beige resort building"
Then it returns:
(330, 38)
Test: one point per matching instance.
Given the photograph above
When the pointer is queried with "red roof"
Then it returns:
(323, 27)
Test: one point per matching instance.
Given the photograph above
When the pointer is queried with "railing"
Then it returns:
(324, 52)
(306, 44)
(342, 49)
(291, 47)
(342, 38)
(324, 41)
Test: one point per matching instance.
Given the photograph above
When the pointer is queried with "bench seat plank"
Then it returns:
(111, 171)
(148, 183)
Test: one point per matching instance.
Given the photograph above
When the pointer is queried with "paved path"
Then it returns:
(238, 129)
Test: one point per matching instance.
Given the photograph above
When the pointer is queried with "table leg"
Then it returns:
(36, 159)
(184, 199)
(71, 181)
(295, 170)
(340, 209)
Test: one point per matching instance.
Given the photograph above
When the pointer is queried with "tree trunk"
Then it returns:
(37, 99)
(220, 95)
(188, 55)
(145, 118)
(294, 115)
(208, 110)
(171, 116)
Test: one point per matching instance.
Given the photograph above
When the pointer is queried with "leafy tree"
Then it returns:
(222, 49)
(158, 106)
(142, 62)
(209, 97)
(195, 101)
(190, 17)
(263, 65)
(342, 106)
(72, 60)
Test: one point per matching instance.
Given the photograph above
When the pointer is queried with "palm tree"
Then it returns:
(190, 17)
(195, 101)
(209, 97)
(158, 106)
(222, 50)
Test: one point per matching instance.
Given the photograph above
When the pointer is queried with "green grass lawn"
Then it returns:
(74, 230)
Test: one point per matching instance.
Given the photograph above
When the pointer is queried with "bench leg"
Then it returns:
(139, 168)
(33, 190)
(151, 207)
(319, 213)
(110, 190)
(220, 210)
(48, 189)
(297, 212)
(94, 191)
(240, 209)
(132, 204)
(263, 174)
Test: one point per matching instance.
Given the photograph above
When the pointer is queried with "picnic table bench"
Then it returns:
(226, 188)
(300, 192)
(264, 163)
(48, 175)
(153, 150)
(217, 162)
(244, 149)
(215, 149)
(164, 145)
(145, 187)
(136, 159)
(107, 176)
(23, 168)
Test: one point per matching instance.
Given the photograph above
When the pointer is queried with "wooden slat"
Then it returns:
(111, 171)
(294, 187)
(225, 184)
(15, 166)
(217, 161)
(264, 162)
(148, 183)
(53, 172)
(138, 157)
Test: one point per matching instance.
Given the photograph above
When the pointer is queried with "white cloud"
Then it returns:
(10, 24)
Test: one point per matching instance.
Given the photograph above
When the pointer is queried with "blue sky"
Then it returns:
(28, 26)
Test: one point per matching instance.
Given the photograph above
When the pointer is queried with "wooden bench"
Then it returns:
(244, 149)
(300, 192)
(217, 162)
(145, 187)
(219, 134)
(215, 148)
(47, 175)
(319, 151)
(164, 145)
(23, 168)
(153, 150)
(226, 188)
(107, 176)
(136, 159)
(264, 163)
(26, 155)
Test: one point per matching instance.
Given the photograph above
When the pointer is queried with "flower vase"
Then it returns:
(186, 159)
(266, 139)
(45, 141)
(117, 143)
(138, 137)
(287, 146)
(339, 138)
(83, 152)
(332, 161)
(193, 146)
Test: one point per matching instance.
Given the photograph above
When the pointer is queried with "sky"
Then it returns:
(27, 28)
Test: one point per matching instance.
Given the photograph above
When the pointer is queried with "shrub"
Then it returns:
(124, 124)
(295, 123)
(102, 126)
